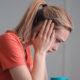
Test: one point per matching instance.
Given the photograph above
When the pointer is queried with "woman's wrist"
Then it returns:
(38, 66)
(39, 57)
(40, 53)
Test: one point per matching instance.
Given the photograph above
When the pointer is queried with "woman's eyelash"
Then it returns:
(57, 40)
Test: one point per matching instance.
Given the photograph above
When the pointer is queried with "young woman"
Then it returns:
(44, 28)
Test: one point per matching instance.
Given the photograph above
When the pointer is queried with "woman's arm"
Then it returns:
(22, 73)
(45, 74)
(38, 66)
(41, 45)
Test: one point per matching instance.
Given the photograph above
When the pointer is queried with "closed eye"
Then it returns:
(58, 41)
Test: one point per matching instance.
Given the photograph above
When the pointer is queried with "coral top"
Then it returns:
(12, 54)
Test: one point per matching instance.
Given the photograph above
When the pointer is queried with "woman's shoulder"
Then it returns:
(9, 35)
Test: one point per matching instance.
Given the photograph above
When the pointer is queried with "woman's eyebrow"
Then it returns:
(60, 39)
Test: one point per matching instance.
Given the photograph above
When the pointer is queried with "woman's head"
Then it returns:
(60, 36)
(35, 15)
(58, 15)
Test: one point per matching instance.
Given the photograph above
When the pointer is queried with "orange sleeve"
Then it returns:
(11, 53)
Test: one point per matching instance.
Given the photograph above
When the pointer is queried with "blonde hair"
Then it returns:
(34, 15)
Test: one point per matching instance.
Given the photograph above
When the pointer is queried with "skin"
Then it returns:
(61, 35)
(47, 40)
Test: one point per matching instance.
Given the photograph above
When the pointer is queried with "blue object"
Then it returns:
(59, 78)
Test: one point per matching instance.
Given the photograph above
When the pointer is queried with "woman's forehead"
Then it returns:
(62, 33)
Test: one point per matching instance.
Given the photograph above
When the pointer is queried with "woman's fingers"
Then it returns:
(52, 35)
(50, 31)
(45, 38)
(47, 28)
(43, 28)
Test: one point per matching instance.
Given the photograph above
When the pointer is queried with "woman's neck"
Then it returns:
(26, 45)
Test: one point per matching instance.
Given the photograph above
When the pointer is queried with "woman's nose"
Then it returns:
(55, 48)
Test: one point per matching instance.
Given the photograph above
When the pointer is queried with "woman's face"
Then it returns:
(60, 36)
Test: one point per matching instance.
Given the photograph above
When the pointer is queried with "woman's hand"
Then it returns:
(43, 41)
